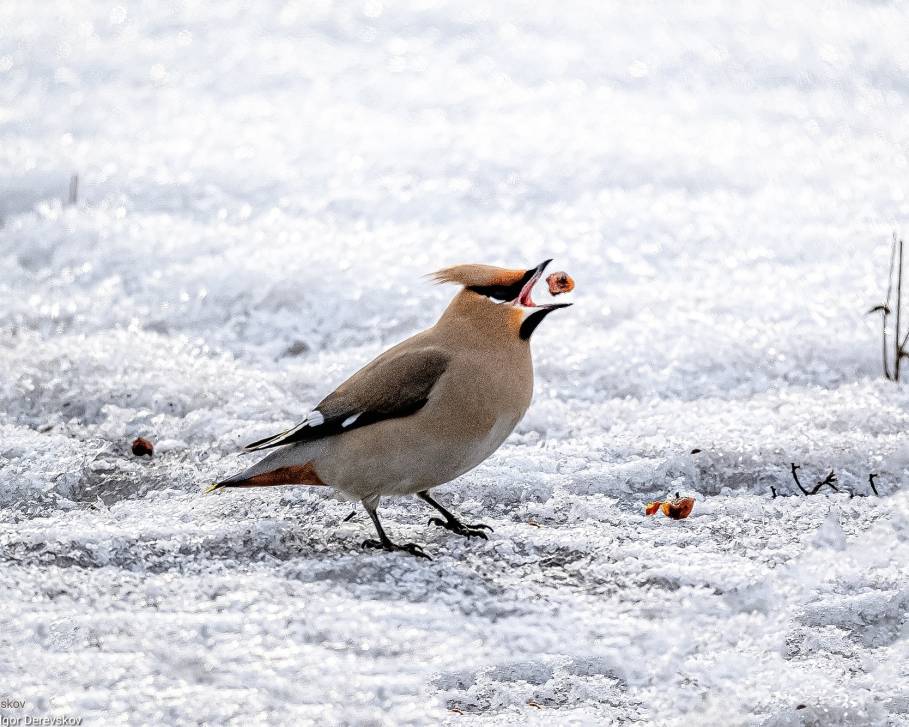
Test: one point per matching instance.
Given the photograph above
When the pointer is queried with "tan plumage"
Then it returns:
(424, 412)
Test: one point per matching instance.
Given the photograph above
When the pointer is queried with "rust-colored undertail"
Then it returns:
(298, 474)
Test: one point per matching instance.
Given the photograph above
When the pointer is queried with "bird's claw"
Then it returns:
(412, 548)
(459, 528)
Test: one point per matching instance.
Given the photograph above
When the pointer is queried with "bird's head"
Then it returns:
(493, 293)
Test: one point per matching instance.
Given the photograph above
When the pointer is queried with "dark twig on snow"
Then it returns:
(796, 478)
(900, 339)
(826, 482)
(884, 309)
(349, 517)
(773, 490)
(829, 481)
(903, 353)
(898, 356)
(871, 482)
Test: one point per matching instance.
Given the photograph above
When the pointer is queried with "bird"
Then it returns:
(423, 412)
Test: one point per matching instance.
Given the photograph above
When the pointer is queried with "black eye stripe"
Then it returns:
(503, 292)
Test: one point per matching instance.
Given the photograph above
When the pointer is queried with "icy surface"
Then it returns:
(261, 188)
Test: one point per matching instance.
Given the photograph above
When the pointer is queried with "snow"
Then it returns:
(262, 188)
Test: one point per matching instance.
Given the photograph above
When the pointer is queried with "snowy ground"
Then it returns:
(262, 186)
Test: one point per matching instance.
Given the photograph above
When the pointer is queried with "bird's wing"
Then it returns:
(396, 384)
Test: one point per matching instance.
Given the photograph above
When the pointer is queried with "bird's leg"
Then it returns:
(451, 522)
(384, 543)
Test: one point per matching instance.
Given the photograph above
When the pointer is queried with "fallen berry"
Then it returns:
(142, 446)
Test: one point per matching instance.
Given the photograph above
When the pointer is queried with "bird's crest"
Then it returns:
(478, 276)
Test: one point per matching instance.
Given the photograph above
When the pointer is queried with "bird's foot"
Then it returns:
(411, 548)
(459, 528)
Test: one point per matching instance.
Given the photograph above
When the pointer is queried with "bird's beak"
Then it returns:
(525, 298)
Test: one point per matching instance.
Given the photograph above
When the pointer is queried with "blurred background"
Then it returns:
(239, 164)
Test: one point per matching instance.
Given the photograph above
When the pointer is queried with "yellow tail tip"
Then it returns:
(214, 486)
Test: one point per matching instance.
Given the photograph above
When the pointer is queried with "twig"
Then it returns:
(884, 309)
(349, 517)
(899, 305)
(871, 482)
(773, 490)
(902, 349)
(796, 478)
(828, 482)
(73, 189)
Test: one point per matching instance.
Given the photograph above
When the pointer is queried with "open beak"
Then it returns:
(525, 298)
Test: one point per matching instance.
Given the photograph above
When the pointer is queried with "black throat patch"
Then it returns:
(532, 321)
(536, 318)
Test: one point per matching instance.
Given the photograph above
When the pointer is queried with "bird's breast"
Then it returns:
(502, 427)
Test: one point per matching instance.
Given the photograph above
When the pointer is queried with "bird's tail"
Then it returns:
(286, 466)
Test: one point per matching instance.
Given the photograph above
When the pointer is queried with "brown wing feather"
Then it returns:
(396, 384)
